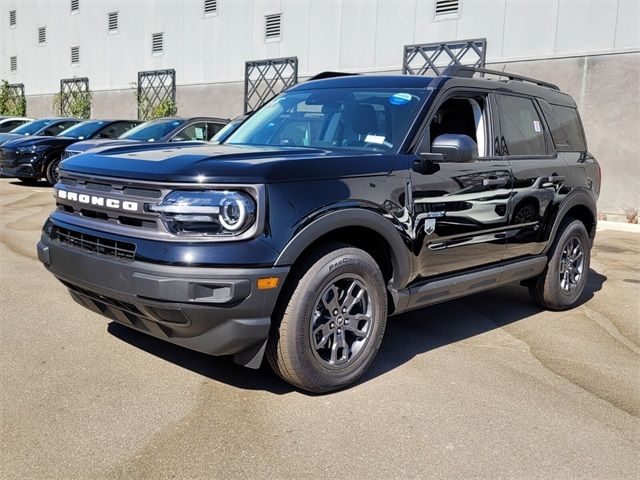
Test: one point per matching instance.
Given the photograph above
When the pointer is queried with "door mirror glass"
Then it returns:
(455, 148)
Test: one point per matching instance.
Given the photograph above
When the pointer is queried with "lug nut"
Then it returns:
(339, 330)
(346, 321)
(344, 309)
(335, 311)
(331, 325)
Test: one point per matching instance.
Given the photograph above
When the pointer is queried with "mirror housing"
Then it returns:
(455, 148)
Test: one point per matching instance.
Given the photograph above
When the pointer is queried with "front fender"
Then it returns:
(353, 217)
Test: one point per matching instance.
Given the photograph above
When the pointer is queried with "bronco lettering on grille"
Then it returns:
(99, 201)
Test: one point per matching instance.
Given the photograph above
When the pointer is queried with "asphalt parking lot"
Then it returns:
(487, 386)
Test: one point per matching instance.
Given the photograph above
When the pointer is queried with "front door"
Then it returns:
(460, 210)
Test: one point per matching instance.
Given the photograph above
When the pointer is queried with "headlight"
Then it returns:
(32, 149)
(207, 212)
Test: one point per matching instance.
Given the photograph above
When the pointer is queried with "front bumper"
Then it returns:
(218, 311)
(19, 171)
(21, 165)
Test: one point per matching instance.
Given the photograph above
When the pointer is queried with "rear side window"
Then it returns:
(521, 126)
(569, 121)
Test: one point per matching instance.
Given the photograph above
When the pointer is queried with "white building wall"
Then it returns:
(350, 35)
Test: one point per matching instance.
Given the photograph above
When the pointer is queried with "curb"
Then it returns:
(618, 226)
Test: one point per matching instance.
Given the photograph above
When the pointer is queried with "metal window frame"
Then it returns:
(12, 59)
(17, 98)
(155, 86)
(77, 4)
(264, 79)
(213, 13)
(13, 13)
(266, 19)
(71, 88)
(44, 30)
(430, 53)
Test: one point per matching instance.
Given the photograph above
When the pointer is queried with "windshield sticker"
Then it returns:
(400, 98)
(379, 139)
(536, 126)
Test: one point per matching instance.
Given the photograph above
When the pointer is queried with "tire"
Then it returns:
(561, 284)
(311, 321)
(51, 171)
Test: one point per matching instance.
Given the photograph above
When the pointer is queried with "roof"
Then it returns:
(367, 81)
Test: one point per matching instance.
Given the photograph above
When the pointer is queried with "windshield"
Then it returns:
(152, 131)
(32, 127)
(227, 130)
(365, 119)
(82, 130)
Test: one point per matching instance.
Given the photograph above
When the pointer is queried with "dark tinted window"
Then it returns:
(214, 128)
(8, 126)
(115, 129)
(569, 121)
(83, 130)
(57, 128)
(522, 128)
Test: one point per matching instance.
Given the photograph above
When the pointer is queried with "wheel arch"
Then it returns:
(360, 228)
(580, 206)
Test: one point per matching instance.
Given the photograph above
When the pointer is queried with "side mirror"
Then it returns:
(455, 148)
(180, 138)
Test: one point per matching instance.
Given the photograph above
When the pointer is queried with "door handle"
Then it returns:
(556, 178)
(495, 182)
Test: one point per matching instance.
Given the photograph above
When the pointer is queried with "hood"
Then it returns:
(84, 145)
(227, 163)
(6, 137)
(38, 141)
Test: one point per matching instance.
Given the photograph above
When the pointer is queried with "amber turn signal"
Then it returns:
(266, 283)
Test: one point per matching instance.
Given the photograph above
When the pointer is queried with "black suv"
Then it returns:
(339, 202)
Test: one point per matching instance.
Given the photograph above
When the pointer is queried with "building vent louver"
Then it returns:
(75, 5)
(210, 7)
(273, 26)
(42, 35)
(12, 18)
(14, 63)
(113, 21)
(75, 55)
(157, 43)
(447, 7)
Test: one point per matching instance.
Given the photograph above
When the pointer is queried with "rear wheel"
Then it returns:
(561, 284)
(329, 327)
(51, 172)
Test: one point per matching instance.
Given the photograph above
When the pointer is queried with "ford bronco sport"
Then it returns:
(340, 202)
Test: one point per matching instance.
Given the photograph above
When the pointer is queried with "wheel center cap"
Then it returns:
(339, 320)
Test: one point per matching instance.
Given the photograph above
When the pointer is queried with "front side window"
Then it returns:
(521, 127)
(57, 128)
(195, 131)
(152, 131)
(374, 120)
(8, 126)
(115, 129)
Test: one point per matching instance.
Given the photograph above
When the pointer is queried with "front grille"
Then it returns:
(94, 244)
(121, 191)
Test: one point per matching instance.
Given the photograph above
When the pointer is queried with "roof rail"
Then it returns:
(469, 72)
(322, 75)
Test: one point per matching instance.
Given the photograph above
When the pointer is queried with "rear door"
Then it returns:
(540, 176)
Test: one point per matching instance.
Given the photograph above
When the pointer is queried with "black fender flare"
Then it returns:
(353, 217)
(580, 198)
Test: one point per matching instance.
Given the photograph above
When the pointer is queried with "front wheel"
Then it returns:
(561, 284)
(330, 324)
(52, 172)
